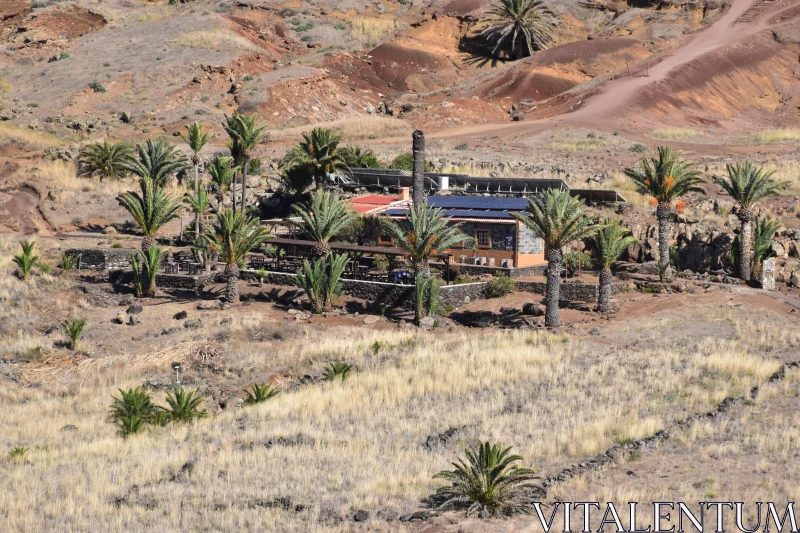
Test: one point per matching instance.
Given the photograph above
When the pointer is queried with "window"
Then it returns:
(385, 240)
(483, 238)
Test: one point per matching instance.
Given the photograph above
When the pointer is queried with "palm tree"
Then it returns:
(196, 139)
(424, 232)
(222, 171)
(748, 184)
(323, 217)
(245, 136)
(519, 26)
(104, 160)
(558, 219)
(151, 209)
(765, 229)
(666, 179)
(356, 157)
(199, 206)
(296, 180)
(489, 482)
(319, 151)
(158, 160)
(233, 236)
(611, 241)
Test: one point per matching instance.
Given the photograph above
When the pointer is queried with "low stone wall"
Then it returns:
(453, 296)
(570, 290)
(183, 282)
(102, 258)
(479, 270)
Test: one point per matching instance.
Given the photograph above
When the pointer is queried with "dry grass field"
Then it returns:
(323, 449)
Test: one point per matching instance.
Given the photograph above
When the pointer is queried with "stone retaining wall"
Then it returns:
(479, 270)
(570, 290)
(102, 258)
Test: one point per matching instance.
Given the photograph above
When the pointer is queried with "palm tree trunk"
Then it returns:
(148, 242)
(745, 247)
(232, 283)
(663, 214)
(604, 294)
(244, 182)
(552, 317)
(233, 192)
(196, 192)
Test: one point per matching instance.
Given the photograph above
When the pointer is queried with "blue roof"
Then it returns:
(458, 213)
(479, 203)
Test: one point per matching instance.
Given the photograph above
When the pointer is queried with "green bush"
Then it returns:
(406, 162)
(26, 260)
(184, 406)
(462, 146)
(97, 87)
(74, 330)
(500, 286)
(68, 261)
(17, 454)
(320, 280)
(132, 410)
(639, 148)
(573, 260)
(338, 370)
(487, 481)
(259, 393)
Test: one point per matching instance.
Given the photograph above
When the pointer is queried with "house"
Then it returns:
(494, 237)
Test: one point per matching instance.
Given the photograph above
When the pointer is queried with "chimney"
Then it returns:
(418, 148)
(404, 194)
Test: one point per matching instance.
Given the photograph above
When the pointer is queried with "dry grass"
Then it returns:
(354, 128)
(5, 86)
(675, 134)
(557, 400)
(775, 136)
(371, 29)
(221, 40)
(32, 139)
(583, 141)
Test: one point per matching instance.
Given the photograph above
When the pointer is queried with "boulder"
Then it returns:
(778, 249)
(533, 309)
(134, 309)
(134, 320)
(427, 323)
(180, 315)
(794, 279)
(195, 323)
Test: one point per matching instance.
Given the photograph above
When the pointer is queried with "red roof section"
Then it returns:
(371, 202)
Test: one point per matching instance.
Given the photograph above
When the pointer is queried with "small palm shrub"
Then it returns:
(320, 280)
(488, 482)
(184, 406)
(575, 260)
(500, 286)
(426, 296)
(26, 260)
(132, 410)
(259, 393)
(17, 454)
(44, 268)
(68, 261)
(74, 330)
(338, 370)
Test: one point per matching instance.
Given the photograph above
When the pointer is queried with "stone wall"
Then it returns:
(102, 258)
(453, 296)
(570, 290)
(479, 270)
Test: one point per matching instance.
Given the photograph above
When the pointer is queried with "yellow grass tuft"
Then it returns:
(33, 139)
(353, 128)
(775, 136)
(218, 39)
(675, 134)
(371, 29)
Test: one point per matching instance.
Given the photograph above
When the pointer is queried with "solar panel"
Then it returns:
(478, 203)
(463, 213)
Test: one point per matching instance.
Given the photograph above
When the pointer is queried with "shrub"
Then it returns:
(488, 482)
(44, 268)
(462, 146)
(132, 410)
(338, 370)
(381, 263)
(97, 87)
(68, 261)
(340, 26)
(639, 148)
(63, 55)
(259, 393)
(74, 330)
(26, 260)
(306, 38)
(145, 269)
(320, 280)
(500, 286)
(184, 406)
(406, 162)
(17, 454)
(262, 274)
(574, 260)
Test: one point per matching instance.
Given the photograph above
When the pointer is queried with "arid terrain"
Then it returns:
(687, 392)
